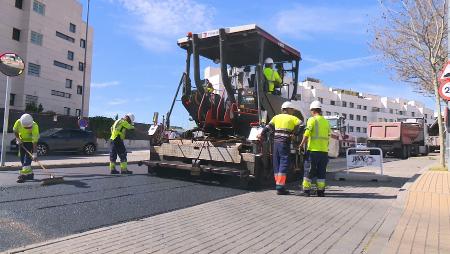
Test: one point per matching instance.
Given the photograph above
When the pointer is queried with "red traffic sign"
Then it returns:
(445, 73)
(444, 90)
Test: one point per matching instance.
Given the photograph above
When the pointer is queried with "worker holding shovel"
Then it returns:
(27, 136)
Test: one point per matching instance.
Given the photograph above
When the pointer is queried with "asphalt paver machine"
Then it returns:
(230, 113)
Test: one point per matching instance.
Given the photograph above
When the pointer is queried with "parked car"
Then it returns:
(59, 139)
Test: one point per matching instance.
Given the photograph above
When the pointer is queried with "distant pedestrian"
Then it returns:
(284, 125)
(317, 134)
(117, 147)
(27, 136)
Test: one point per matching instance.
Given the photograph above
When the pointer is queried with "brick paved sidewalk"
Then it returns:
(259, 222)
(424, 226)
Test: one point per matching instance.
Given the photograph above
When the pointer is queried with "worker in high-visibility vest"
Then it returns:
(317, 134)
(272, 77)
(117, 147)
(27, 136)
(284, 126)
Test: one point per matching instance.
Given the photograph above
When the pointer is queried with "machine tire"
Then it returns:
(89, 149)
(427, 151)
(404, 152)
(42, 149)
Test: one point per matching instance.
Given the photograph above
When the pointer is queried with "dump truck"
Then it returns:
(229, 118)
(404, 138)
(433, 140)
(340, 140)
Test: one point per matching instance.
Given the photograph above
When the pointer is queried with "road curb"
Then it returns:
(70, 165)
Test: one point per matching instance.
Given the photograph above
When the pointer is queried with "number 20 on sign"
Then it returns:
(444, 90)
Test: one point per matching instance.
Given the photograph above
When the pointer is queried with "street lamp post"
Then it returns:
(85, 60)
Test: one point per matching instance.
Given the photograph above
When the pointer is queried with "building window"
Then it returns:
(365, 107)
(358, 106)
(72, 28)
(344, 104)
(81, 66)
(358, 118)
(36, 38)
(426, 116)
(320, 99)
(16, 34)
(364, 130)
(66, 111)
(79, 90)
(78, 112)
(63, 65)
(391, 111)
(34, 69)
(358, 129)
(350, 128)
(365, 118)
(332, 103)
(12, 99)
(61, 94)
(375, 109)
(69, 83)
(31, 100)
(352, 105)
(39, 7)
(82, 43)
(352, 116)
(65, 37)
(336, 113)
(328, 113)
(344, 115)
(413, 114)
(400, 112)
(70, 55)
(19, 4)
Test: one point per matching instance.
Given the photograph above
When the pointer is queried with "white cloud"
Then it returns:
(117, 101)
(104, 84)
(160, 22)
(326, 67)
(303, 22)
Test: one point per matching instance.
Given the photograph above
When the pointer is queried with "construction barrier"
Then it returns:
(364, 157)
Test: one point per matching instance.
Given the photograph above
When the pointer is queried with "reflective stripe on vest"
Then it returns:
(316, 131)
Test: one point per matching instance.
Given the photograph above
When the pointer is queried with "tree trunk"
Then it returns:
(441, 126)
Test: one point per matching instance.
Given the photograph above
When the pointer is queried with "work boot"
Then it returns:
(126, 172)
(29, 176)
(307, 193)
(114, 172)
(21, 179)
(282, 192)
(321, 193)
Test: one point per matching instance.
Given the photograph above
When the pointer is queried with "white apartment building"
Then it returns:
(49, 35)
(358, 108)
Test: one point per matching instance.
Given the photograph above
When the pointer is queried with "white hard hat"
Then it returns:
(287, 104)
(315, 104)
(26, 120)
(268, 61)
(131, 116)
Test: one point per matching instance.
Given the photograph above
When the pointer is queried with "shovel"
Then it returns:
(51, 179)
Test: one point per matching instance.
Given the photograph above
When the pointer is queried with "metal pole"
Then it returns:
(447, 136)
(85, 57)
(5, 122)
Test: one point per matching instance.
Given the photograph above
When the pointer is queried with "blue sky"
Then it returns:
(333, 37)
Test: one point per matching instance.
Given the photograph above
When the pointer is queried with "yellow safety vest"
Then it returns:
(119, 129)
(318, 132)
(284, 124)
(27, 135)
(272, 76)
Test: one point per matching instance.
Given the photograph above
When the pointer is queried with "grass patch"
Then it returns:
(437, 168)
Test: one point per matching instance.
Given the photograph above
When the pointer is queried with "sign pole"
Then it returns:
(447, 136)
(5, 122)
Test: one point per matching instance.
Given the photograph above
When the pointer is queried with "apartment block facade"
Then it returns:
(50, 36)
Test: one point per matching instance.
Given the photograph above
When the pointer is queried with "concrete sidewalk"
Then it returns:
(424, 226)
(74, 160)
(355, 217)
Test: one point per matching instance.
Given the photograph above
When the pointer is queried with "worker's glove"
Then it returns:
(18, 141)
(34, 156)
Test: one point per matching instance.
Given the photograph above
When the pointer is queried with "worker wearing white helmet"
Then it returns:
(27, 136)
(117, 147)
(284, 126)
(317, 134)
(272, 77)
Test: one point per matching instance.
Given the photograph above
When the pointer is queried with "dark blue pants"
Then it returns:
(318, 170)
(117, 148)
(280, 159)
(25, 158)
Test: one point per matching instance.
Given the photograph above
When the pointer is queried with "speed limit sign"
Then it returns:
(444, 90)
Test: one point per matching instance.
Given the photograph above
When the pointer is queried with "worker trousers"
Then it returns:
(117, 148)
(318, 169)
(280, 157)
(25, 158)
